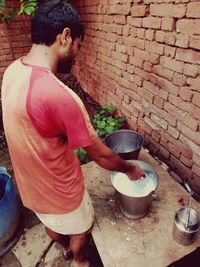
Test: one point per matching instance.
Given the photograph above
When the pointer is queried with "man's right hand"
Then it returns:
(135, 172)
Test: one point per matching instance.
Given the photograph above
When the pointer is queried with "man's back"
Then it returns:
(41, 135)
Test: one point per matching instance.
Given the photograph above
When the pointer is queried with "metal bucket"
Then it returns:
(126, 143)
(185, 233)
(136, 206)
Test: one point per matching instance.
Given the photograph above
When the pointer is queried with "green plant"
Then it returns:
(27, 7)
(82, 155)
(106, 121)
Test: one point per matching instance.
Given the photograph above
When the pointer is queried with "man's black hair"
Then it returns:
(51, 18)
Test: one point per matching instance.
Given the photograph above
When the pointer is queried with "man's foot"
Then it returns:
(68, 255)
(75, 263)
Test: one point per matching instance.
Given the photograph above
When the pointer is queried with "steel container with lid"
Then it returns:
(184, 231)
(135, 198)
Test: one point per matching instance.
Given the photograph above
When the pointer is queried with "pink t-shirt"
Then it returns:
(44, 122)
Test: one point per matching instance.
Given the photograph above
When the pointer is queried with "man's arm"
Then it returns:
(109, 160)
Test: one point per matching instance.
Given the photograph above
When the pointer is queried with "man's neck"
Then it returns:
(42, 56)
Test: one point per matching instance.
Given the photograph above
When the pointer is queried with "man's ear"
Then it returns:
(65, 36)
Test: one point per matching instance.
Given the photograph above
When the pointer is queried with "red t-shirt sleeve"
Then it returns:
(54, 112)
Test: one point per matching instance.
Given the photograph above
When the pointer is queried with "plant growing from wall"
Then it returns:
(28, 7)
(105, 121)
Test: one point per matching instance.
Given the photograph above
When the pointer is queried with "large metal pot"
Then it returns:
(126, 143)
(134, 204)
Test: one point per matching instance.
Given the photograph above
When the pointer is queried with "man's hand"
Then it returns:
(135, 173)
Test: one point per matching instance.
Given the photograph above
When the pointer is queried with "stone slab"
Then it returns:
(31, 246)
(145, 242)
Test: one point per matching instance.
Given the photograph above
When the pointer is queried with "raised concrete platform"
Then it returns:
(145, 242)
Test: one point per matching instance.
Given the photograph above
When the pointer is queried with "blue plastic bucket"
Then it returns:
(9, 209)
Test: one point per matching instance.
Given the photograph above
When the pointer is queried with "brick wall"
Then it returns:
(14, 39)
(143, 56)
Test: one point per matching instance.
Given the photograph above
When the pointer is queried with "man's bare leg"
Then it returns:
(78, 244)
(63, 240)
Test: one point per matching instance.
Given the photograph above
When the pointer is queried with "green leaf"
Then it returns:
(109, 108)
(110, 119)
(101, 124)
(102, 111)
(121, 119)
(109, 129)
(29, 10)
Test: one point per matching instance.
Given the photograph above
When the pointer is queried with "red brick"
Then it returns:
(154, 58)
(151, 87)
(179, 79)
(141, 33)
(136, 22)
(190, 70)
(187, 162)
(194, 83)
(194, 136)
(147, 66)
(164, 152)
(170, 51)
(185, 93)
(196, 169)
(174, 150)
(193, 10)
(158, 102)
(163, 72)
(183, 171)
(168, 24)
(151, 22)
(172, 110)
(186, 150)
(139, 11)
(189, 56)
(138, 62)
(146, 94)
(156, 136)
(173, 132)
(120, 19)
(188, 26)
(182, 40)
(117, 29)
(196, 99)
(154, 48)
(161, 10)
(170, 38)
(179, 11)
(150, 35)
(126, 29)
(195, 112)
(171, 64)
(169, 86)
(121, 48)
(195, 42)
(160, 36)
(196, 159)
(141, 54)
(144, 126)
(163, 94)
(190, 122)
(123, 9)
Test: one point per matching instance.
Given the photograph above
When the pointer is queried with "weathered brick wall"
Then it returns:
(14, 40)
(143, 56)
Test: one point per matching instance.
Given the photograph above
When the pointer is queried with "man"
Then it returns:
(44, 122)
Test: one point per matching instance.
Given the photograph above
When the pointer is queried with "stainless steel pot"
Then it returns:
(126, 143)
(135, 206)
(184, 230)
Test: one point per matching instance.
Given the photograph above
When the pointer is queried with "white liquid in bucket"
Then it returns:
(139, 188)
